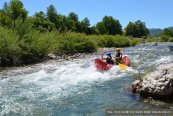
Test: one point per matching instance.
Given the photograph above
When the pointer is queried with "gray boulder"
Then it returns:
(158, 84)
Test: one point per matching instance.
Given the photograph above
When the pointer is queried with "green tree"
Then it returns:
(101, 28)
(113, 26)
(59, 24)
(85, 23)
(110, 26)
(40, 15)
(4, 19)
(136, 29)
(167, 32)
(5, 8)
(72, 22)
(51, 13)
(15, 10)
(41, 23)
(56, 19)
(73, 16)
(93, 30)
(130, 29)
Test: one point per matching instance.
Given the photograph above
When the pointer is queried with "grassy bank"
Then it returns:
(23, 45)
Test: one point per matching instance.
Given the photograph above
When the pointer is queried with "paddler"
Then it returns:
(108, 58)
(118, 57)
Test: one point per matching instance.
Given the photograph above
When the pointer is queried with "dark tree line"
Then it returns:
(52, 20)
(136, 29)
(109, 26)
(167, 32)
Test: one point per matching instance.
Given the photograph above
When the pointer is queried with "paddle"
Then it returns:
(122, 66)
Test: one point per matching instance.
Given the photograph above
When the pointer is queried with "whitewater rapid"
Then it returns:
(54, 87)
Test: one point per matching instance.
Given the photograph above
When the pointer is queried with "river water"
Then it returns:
(75, 87)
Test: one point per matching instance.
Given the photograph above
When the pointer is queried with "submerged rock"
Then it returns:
(158, 84)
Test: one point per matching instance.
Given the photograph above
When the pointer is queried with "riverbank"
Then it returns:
(16, 49)
(30, 47)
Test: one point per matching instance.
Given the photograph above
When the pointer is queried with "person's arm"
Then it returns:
(113, 59)
(121, 56)
(103, 57)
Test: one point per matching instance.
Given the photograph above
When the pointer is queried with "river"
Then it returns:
(75, 87)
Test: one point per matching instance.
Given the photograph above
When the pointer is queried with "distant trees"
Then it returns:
(15, 10)
(41, 23)
(109, 26)
(85, 26)
(51, 20)
(4, 19)
(101, 28)
(72, 22)
(28, 39)
(12, 11)
(167, 32)
(167, 35)
(54, 18)
(73, 16)
(51, 14)
(136, 29)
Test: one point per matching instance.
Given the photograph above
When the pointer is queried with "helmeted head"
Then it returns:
(108, 54)
(118, 49)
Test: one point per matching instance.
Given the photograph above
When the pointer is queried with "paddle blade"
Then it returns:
(122, 66)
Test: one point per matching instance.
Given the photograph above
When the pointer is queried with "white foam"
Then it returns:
(163, 59)
(34, 77)
(65, 80)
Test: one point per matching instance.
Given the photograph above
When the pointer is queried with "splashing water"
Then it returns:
(75, 87)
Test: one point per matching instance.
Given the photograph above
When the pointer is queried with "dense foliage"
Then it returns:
(109, 26)
(167, 32)
(28, 39)
(24, 46)
(136, 29)
(52, 20)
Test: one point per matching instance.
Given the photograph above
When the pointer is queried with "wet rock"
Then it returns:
(136, 86)
(158, 84)
(51, 56)
(63, 56)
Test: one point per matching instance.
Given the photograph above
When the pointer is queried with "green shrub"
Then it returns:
(29, 46)
(45, 43)
(153, 39)
(75, 43)
(171, 39)
(164, 38)
(106, 41)
(9, 47)
(113, 41)
(134, 42)
(21, 27)
(121, 41)
(102, 42)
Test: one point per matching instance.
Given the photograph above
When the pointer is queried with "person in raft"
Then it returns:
(108, 58)
(118, 57)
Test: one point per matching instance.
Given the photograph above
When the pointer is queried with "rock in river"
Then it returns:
(157, 84)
